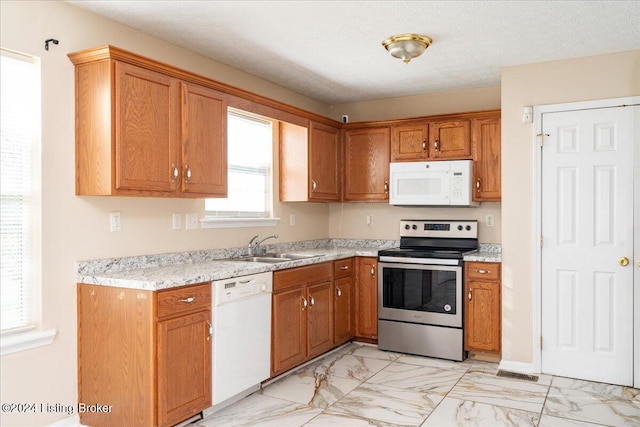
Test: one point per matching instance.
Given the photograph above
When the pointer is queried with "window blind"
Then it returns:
(20, 133)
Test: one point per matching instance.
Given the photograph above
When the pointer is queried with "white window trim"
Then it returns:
(230, 222)
(14, 343)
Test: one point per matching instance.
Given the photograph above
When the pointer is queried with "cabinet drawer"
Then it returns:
(290, 277)
(482, 271)
(343, 268)
(184, 299)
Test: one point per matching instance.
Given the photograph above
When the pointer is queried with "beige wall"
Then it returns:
(598, 77)
(76, 228)
(486, 98)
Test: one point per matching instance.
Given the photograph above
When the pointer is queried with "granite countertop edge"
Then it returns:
(160, 272)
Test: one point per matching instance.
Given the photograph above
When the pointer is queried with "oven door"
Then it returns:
(416, 293)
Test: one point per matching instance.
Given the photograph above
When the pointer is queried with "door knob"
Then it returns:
(624, 261)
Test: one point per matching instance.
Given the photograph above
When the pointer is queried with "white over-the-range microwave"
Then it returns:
(437, 183)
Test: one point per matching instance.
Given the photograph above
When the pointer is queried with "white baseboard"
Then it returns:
(72, 421)
(519, 367)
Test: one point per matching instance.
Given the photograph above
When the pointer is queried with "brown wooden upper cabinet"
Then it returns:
(409, 143)
(141, 131)
(485, 135)
(450, 139)
(431, 140)
(366, 164)
(309, 163)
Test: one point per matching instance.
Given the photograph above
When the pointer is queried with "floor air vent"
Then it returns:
(517, 376)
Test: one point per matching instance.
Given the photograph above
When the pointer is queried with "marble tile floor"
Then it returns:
(359, 385)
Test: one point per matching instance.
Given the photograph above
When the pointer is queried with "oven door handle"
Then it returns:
(422, 261)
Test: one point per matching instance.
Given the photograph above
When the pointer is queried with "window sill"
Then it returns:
(238, 222)
(26, 340)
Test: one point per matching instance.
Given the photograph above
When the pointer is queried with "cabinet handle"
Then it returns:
(424, 145)
(344, 267)
(187, 300)
(469, 295)
(386, 186)
(187, 176)
(311, 301)
(313, 185)
(483, 271)
(373, 271)
(174, 173)
(304, 303)
(436, 146)
(478, 185)
(338, 292)
(210, 330)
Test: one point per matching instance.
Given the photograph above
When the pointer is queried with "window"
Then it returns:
(20, 202)
(250, 158)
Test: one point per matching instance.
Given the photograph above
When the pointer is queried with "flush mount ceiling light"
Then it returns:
(406, 46)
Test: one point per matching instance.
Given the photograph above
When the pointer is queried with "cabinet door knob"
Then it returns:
(311, 301)
(313, 185)
(424, 145)
(386, 186)
(436, 145)
(187, 176)
(304, 303)
(338, 292)
(210, 330)
(344, 267)
(478, 185)
(483, 271)
(187, 300)
(373, 271)
(624, 261)
(174, 173)
(469, 295)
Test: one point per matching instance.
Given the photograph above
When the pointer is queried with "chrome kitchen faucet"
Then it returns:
(254, 247)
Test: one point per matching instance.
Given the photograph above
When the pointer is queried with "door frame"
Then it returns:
(538, 111)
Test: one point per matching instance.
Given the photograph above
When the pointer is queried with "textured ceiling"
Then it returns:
(331, 50)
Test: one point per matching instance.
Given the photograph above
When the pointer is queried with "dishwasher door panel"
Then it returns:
(241, 345)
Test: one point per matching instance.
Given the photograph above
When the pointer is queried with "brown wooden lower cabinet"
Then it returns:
(367, 299)
(482, 331)
(302, 318)
(145, 354)
(344, 306)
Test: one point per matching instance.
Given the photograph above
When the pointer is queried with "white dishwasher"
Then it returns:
(241, 334)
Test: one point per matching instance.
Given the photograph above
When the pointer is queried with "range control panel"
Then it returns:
(466, 229)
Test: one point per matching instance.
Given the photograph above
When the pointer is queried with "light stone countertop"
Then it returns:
(488, 252)
(165, 271)
(154, 273)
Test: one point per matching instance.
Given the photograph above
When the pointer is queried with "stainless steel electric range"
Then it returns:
(420, 288)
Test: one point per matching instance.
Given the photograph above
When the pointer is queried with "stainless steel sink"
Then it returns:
(272, 258)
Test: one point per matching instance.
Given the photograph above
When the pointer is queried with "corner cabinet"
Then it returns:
(482, 331)
(486, 145)
(144, 129)
(147, 354)
(366, 165)
(309, 163)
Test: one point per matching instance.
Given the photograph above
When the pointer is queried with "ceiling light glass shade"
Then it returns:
(406, 46)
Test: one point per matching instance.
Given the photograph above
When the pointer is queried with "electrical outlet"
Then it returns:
(115, 221)
(175, 221)
(192, 221)
(489, 220)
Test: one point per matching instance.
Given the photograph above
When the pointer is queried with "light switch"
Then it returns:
(115, 221)
(175, 221)
(192, 221)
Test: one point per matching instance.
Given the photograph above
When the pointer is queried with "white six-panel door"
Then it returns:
(587, 232)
